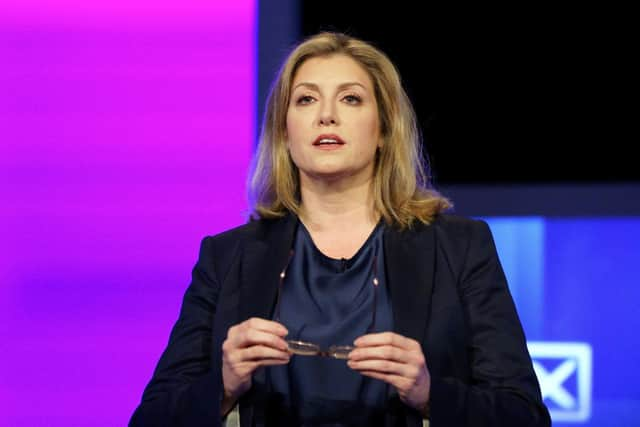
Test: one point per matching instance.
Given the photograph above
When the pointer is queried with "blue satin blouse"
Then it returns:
(330, 301)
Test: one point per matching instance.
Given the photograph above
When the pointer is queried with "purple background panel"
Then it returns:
(125, 135)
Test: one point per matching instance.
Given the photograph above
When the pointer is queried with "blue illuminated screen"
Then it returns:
(574, 282)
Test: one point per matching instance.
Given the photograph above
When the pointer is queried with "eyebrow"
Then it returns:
(340, 86)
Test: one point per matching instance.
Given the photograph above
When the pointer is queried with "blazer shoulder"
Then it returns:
(459, 227)
(232, 236)
(260, 229)
(221, 249)
(218, 251)
(457, 235)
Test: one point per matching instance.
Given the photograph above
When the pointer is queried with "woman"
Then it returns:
(351, 298)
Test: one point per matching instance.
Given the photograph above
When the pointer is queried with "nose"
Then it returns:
(324, 121)
(327, 115)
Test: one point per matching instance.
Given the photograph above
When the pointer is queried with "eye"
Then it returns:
(304, 100)
(352, 99)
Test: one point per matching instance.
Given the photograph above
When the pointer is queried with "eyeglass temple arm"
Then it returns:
(375, 294)
(283, 274)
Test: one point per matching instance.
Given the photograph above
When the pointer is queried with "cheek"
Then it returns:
(369, 130)
(293, 144)
(294, 130)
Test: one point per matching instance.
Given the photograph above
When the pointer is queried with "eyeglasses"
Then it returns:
(303, 348)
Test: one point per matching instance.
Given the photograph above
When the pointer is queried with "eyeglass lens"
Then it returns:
(303, 348)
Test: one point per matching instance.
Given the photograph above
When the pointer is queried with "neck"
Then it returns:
(336, 205)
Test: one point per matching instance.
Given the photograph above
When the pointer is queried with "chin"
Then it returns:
(328, 175)
(327, 169)
(332, 175)
(332, 172)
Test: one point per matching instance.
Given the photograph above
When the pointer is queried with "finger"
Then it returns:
(257, 323)
(266, 326)
(385, 367)
(260, 352)
(248, 337)
(383, 352)
(386, 338)
(243, 369)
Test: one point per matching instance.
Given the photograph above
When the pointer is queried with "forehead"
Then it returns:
(332, 70)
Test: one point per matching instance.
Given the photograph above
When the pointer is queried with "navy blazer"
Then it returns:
(448, 292)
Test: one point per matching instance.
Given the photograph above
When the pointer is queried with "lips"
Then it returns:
(328, 140)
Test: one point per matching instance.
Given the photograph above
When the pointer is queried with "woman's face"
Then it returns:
(333, 126)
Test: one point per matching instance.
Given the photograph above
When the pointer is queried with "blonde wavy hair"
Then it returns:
(401, 187)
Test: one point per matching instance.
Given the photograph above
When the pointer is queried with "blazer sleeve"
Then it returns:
(503, 390)
(185, 390)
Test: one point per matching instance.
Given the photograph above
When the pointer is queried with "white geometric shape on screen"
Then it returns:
(565, 405)
(554, 383)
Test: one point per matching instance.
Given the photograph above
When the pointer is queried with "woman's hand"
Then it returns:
(253, 343)
(396, 360)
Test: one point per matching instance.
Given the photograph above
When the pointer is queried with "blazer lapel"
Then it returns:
(263, 260)
(410, 264)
